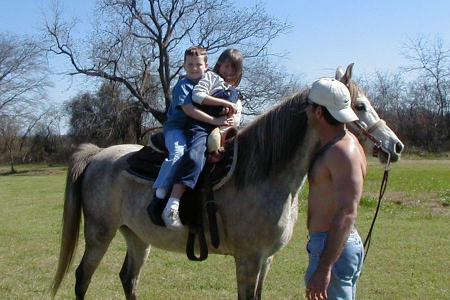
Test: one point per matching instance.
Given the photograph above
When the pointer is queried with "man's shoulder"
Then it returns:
(341, 148)
(345, 152)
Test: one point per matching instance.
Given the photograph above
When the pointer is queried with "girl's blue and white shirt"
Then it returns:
(209, 85)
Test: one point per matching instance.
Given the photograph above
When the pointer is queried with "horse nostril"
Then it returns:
(399, 147)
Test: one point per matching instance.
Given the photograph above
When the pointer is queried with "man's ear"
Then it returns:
(318, 111)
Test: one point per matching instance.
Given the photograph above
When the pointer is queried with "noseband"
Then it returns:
(362, 131)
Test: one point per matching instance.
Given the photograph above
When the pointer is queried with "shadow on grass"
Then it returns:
(14, 172)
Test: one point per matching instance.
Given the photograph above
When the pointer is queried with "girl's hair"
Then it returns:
(235, 58)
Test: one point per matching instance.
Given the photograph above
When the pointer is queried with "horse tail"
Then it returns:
(72, 210)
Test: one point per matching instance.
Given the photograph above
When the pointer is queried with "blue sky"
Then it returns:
(370, 33)
(324, 34)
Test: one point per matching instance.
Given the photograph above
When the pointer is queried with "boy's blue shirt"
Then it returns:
(181, 95)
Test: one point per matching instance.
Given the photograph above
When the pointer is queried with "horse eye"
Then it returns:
(360, 107)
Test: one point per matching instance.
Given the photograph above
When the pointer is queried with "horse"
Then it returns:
(257, 208)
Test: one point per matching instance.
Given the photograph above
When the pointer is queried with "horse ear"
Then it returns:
(339, 73)
(348, 74)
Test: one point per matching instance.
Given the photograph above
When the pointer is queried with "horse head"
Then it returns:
(373, 132)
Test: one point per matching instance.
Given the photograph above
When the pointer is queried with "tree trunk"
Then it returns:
(11, 160)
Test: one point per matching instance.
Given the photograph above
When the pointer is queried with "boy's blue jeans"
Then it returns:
(175, 141)
(345, 271)
(191, 164)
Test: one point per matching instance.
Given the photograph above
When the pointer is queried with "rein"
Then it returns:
(377, 146)
(380, 196)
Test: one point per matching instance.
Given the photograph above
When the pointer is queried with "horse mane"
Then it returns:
(269, 143)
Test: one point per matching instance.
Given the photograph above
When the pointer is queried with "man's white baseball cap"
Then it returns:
(335, 96)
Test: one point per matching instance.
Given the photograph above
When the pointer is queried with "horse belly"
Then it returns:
(267, 225)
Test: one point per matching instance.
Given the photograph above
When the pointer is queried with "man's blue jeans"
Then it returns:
(345, 271)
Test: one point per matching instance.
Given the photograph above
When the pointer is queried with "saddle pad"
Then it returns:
(146, 163)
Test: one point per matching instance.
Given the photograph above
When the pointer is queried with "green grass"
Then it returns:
(413, 182)
(408, 258)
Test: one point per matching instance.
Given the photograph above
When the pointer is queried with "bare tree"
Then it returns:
(13, 133)
(387, 92)
(23, 80)
(46, 142)
(23, 76)
(9, 131)
(140, 44)
(264, 83)
(105, 118)
(432, 61)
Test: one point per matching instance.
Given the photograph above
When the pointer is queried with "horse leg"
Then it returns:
(262, 276)
(137, 253)
(248, 268)
(97, 240)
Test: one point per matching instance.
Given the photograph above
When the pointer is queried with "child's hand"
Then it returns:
(223, 121)
(225, 111)
(232, 108)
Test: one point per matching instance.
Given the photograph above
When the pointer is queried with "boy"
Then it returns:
(195, 64)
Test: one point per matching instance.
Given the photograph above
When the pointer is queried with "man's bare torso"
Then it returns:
(323, 194)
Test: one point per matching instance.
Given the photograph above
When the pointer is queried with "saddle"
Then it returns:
(146, 163)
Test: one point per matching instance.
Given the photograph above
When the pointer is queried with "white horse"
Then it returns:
(257, 208)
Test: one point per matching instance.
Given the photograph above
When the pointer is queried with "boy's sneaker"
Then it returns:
(171, 218)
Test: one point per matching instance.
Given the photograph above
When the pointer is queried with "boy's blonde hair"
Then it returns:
(235, 57)
(196, 51)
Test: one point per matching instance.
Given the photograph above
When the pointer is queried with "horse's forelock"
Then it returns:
(268, 143)
(355, 90)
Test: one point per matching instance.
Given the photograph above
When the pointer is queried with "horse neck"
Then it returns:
(276, 146)
(292, 176)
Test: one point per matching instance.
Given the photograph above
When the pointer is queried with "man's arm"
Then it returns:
(195, 113)
(347, 182)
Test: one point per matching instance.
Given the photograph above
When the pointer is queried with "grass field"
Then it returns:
(408, 259)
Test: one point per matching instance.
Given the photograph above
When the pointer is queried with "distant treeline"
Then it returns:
(407, 109)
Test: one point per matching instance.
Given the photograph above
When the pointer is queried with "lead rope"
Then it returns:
(380, 196)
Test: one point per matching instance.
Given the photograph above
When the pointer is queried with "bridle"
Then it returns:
(362, 131)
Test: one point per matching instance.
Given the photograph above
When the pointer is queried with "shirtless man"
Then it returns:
(336, 179)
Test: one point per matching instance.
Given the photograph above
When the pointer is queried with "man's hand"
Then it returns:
(317, 286)
(223, 121)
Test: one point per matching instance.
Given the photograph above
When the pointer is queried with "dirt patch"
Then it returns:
(430, 200)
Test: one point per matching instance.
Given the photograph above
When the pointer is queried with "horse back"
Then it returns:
(103, 186)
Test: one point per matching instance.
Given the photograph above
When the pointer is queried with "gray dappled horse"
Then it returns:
(257, 208)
